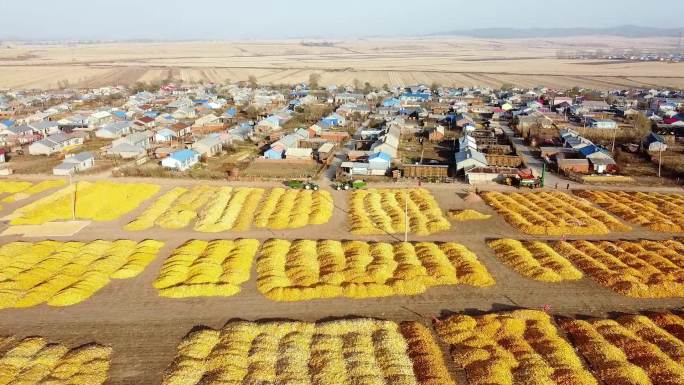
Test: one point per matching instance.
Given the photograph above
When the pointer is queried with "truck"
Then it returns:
(302, 185)
(349, 185)
(524, 178)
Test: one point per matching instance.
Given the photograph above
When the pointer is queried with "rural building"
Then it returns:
(208, 146)
(75, 163)
(181, 160)
(469, 158)
(54, 143)
(605, 124)
(298, 153)
(436, 134)
(654, 143)
(165, 135)
(114, 130)
(99, 119)
(486, 175)
(580, 166)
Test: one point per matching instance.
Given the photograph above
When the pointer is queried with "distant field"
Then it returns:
(456, 61)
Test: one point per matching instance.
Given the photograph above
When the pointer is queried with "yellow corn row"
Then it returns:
(33, 361)
(66, 273)
(290, 209)
(98, 201)
(654, 210)
(552, 213)
(645, 269)
(201, 268)
(307, 269)
(628, 350)
(535, 260)
(384, 211)
(359, 351)
(467, 215)
(520, 347)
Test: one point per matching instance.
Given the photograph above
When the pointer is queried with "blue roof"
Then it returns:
(184, 155)
(588, 150)
(380, 155)
(119, 114)
(150, 114)
(8, 122)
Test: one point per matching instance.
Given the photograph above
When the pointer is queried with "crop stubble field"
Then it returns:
(143, 328)
(457, 61)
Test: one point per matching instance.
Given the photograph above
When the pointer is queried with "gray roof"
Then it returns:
(80, 157)
(470, 154)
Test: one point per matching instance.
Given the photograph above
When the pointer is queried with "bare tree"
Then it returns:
(314, 80)
(252, 81)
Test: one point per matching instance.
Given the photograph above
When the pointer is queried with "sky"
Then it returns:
(280, 19)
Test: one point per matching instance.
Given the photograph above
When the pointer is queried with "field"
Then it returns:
(19, 190)
(33, 360)
(215, 209)
(207, 268)
(457, 61)
(630, 349)
(656, 211)
(535, 259)
(552, 213)
(520, 347)
(66, 273)
(306, 269)
(383, 211)
(98, 201)
(359, 351)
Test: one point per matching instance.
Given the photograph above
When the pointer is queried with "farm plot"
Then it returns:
(216, 209)
(19, 190)
(98, 201)
(382, 211)
(201, 268)
(517, 348)
(654, 210)
(33, 361)
(359, 352)
(535, 260)
(66, 273)
(643, 269)
(306, 269)
(552, 213)
(628, 350)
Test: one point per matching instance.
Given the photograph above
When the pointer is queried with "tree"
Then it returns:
(506, 87)
(252, 80)
(367, 88)
(435, 86)
(357, 84)
(314, 80)
(385, 87)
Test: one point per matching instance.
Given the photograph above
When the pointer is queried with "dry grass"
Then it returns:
(305, 269)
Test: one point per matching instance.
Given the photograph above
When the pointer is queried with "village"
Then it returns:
(431, 134)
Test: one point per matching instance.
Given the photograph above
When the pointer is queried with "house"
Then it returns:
(241, 133)
(275, 152)
(331, 121)
(380, 160)
(603, 164)
(181, 129)
(299, 153)
(165, 135)
(75, 163)
(573, 165)
(469, 158)
(436, 134)
(54, 143)
(145, 122)
(99, 119)
(606, 124)
(654, 143)
(45, 127)
(207, 120)
(115, 130)
(208, 146)
(131, 146)
(181, 160)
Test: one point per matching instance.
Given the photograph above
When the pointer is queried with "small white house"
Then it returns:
(181, 160)
(165, 135)
(208, 146)
(54, 143)
(75, 163)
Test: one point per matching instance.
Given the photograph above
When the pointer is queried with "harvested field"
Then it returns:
(306, 269)
(20, 190)
(656, 211)
(358, 351)
(66, 273)
(382, 211)
(644, 269)
(517, 348)
(207, 268)
(552, 213)
(33, 360)
(98, 201)
(535, 260)
(629, 350)
(215, 209)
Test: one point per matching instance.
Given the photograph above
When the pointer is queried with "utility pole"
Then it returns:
(406, 221)
(660, 160)
(612, 148)
(73, 199)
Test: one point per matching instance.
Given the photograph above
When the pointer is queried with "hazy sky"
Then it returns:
(258, 19)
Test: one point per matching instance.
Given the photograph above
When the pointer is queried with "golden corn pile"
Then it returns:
(207, 268)
(34, 361)
(383, 211)
(66, 273)
(306, 269)
(645, 269)
(552, 213)
(215, 209)
(631, 349)
(359, 352)
(654, 210)
(535, 260)
(467, 215)
(518, 348)
(98, 201)
(19, 190)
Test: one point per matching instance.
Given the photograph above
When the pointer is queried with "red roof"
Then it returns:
(670, 120)
(146, 119)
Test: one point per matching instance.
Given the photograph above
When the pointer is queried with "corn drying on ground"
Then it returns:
(214, 209)
(535, 259)
(358, 351)
(306, 269)
(467, 215)
(207, 268)
(518, 348)
(66, 273)
(34, 361)
(552, 213)
(382, 211)
(19, 190)
(631, 349)
(98, 201)
(656, 211)
(644, 269)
